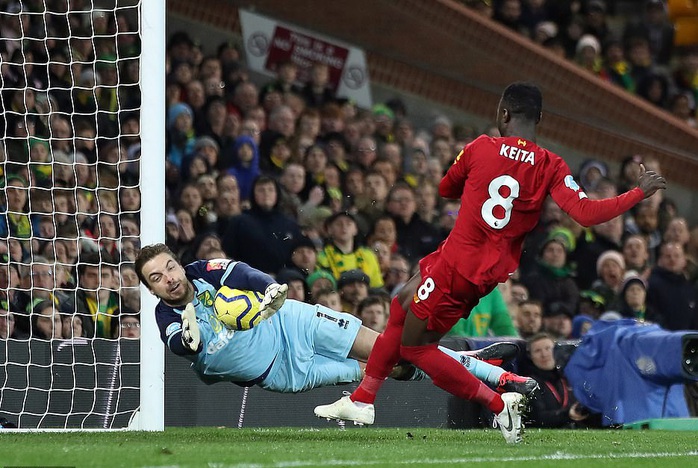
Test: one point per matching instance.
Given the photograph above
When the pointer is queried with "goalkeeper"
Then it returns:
(301, 347)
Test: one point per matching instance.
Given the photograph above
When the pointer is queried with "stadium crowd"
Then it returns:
(337, 201)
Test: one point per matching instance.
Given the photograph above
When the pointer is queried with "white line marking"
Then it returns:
(428, 461)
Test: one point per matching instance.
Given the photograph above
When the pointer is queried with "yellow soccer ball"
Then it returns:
(238, 309)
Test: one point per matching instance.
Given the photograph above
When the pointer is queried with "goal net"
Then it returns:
(71, 331)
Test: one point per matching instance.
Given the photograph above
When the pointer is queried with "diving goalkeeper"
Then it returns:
(301, 347)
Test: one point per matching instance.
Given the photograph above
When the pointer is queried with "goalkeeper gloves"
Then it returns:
(274, 298)
(191, 337)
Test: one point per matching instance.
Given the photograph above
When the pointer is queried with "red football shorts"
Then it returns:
(444, 296)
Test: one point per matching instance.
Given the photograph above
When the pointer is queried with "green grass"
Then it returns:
(292, 447)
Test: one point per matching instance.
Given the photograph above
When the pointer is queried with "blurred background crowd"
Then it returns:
(338, 201)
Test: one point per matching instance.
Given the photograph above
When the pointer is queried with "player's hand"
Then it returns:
(191, 336)
(649, 181)
(274, 298)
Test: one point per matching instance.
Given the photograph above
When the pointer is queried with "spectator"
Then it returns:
(591, 244)
(180, 128)
(383, 254)
(610, 268)
(637, 255)
(373, 312)
(427, 197)
(7, 321)
(295, 280)
(286, 79)
(320, 280)
(640, 59)
(95, 300)
(373, 206)
(37, 283)
(261, 236)
(669, 292)
(329, 298)
(397, 275)
(46, 321)
(317, 91)
(557, 320)
(508, 13)
(555, 405)
(588, 54)
(15, 220)
(129, 290)
(415, 237)
(245, 167)
(353, 288)
(303, 256)
(71, 326)
(341, 252)
(529, 320)
(633, 298)
(292, 182)
(591, 304)
(366, 152)
(657, 29)
(384, 230)
(677, 232)
(615, 68)
(655, 88)
(597, 20)
(646, 223)
(126, 326)
(551, 280)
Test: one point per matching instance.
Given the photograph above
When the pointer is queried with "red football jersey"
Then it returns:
(502, 184)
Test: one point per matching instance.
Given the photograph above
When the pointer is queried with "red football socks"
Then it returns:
(384, 356)
(448, 374)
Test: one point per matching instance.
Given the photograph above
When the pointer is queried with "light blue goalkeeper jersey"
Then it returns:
(301, 347)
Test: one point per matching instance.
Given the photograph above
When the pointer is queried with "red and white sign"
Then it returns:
(269, 43)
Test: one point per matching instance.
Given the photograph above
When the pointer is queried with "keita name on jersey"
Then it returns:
(517, 154)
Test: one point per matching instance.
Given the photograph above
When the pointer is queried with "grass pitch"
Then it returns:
(294, 447)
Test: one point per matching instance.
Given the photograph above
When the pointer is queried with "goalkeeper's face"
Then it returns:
(167, 280)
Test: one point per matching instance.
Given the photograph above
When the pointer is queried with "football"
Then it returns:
(238, 309)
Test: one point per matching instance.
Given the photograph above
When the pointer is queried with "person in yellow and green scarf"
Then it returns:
(95, 300)
(14, 219)
(40, 169)
(340, 253)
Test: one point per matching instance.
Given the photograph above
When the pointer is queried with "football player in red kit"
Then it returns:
(508, 179)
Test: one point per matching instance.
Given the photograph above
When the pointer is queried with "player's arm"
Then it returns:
(451, 185)
(573, 201)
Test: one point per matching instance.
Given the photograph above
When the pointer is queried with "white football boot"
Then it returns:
(346, 410)
(509, 420)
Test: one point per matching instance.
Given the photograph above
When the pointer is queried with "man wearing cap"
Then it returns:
(303, 256)
(340, 252)
(320, 280)
(353, 288)
(610, 268)
(209, 148)
(551, 279)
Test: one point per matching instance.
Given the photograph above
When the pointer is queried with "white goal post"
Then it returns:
(82, 102)
(151, 415)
